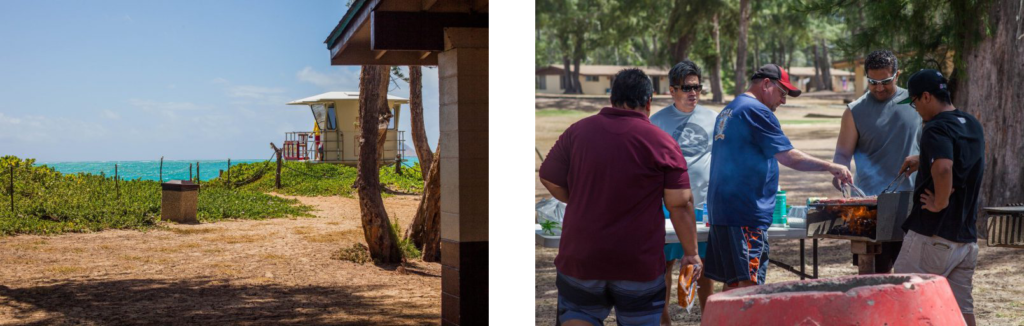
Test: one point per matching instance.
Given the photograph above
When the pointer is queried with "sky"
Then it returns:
(137, 80)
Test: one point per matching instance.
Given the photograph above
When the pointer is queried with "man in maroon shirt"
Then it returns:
(612, 170)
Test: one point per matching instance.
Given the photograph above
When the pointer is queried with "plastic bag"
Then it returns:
(687, 287)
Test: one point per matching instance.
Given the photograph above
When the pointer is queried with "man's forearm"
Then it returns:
(943, 176)
(842, 159)
(685, 224)
(800, 161)
(556, 191)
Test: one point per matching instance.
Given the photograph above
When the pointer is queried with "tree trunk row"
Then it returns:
(419, 133)
(382, 242)
(741, 48)
(425, 230)
(716, 69)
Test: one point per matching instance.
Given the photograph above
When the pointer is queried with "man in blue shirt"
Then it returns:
(748, 146)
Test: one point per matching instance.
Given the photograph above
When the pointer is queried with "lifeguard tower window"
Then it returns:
(331, 118)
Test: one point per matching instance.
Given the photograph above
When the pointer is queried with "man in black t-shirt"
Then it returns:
(941, 236)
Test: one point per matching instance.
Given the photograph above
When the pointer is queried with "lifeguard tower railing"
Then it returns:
(298, 146)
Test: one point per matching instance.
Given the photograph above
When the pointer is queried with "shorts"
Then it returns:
(736, 253)
(674, 251)
(635, 303)
(934, 255)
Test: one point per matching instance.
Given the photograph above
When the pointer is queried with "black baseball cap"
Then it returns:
(926, 80)
(774, 72)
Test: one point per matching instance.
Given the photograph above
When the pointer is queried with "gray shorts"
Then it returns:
(935, 255)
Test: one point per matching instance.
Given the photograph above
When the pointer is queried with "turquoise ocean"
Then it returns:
(150, 170)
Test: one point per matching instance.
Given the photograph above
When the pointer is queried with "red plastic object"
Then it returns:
(894, 299)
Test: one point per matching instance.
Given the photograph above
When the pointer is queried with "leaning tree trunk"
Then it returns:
(425, 231)
(681, 50)
(741, 48)
(382, 241)
(990, 90)
(826, 67)
(382, 131)
(570, 87)
(716, 69)
(419, 133)
(818, 84)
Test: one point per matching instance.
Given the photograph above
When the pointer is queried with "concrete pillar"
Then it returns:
(462, 69)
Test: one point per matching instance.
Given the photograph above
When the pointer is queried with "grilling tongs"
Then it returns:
(897, 182)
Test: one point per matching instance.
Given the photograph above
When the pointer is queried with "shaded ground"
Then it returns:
(237, 272)
(998, 296)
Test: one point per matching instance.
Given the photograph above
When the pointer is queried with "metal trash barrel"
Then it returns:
(893, 299)
(179, 201)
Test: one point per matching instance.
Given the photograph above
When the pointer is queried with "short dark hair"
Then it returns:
(941, 96)
(881, 59)
(681, 70)
(631, 88)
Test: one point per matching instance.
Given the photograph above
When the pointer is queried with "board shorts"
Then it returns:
(736, 253)
(635, 303)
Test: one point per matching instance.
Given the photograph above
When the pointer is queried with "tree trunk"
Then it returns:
(419, 133)
(826, 67)
(382, 129)
(382, 242)
(990, 90)
(576, 76)
(818, 85)
(425, 231)
(741, 48)
(681, 50)
(757, 55)
(570, 87)
(716, 69)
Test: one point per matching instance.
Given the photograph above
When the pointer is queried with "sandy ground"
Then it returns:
(277, 271)
(998, 296)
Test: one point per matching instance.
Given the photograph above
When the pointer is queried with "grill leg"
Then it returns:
(814, 256)
(802, 271)
(866, 252)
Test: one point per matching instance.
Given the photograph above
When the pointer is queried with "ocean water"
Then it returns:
(150, 170)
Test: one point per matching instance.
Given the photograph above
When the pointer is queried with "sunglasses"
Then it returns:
(688, 88)
(886, 81)
(782, 89)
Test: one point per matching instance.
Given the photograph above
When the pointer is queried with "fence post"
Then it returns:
(398, 164)
(199, 178)
(229, 173)
(277, 178)
(12, 191)
(117, 185)
(190, 172)
(161, 169)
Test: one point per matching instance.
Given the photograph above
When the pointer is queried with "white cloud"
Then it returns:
(150, 105)
(254, 92)
(32, 129)
(340, 79)
(111, 115)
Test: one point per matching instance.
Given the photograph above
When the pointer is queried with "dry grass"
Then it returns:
(220, 273)
(340, 237)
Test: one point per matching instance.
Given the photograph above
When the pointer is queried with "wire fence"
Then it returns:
(18, 171)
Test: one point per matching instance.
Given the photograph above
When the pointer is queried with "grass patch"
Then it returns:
(234, 239)
(358, 253)
(273, 257)
(64, 270)
(315, 179)
(407, 246)
(48, 202)
(351, 235)
(190, 231)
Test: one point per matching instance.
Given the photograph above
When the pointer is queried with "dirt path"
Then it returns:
(276, 271)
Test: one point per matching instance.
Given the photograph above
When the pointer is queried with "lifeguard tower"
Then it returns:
(336, 114)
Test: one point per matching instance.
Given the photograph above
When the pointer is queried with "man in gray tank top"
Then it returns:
(878, 134)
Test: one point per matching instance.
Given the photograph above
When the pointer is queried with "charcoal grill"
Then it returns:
(824, 220)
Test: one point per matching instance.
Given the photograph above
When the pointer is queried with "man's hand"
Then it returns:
(932, 203)
(840, 173)
(910, 164)
(837, 184)
(698, 265)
